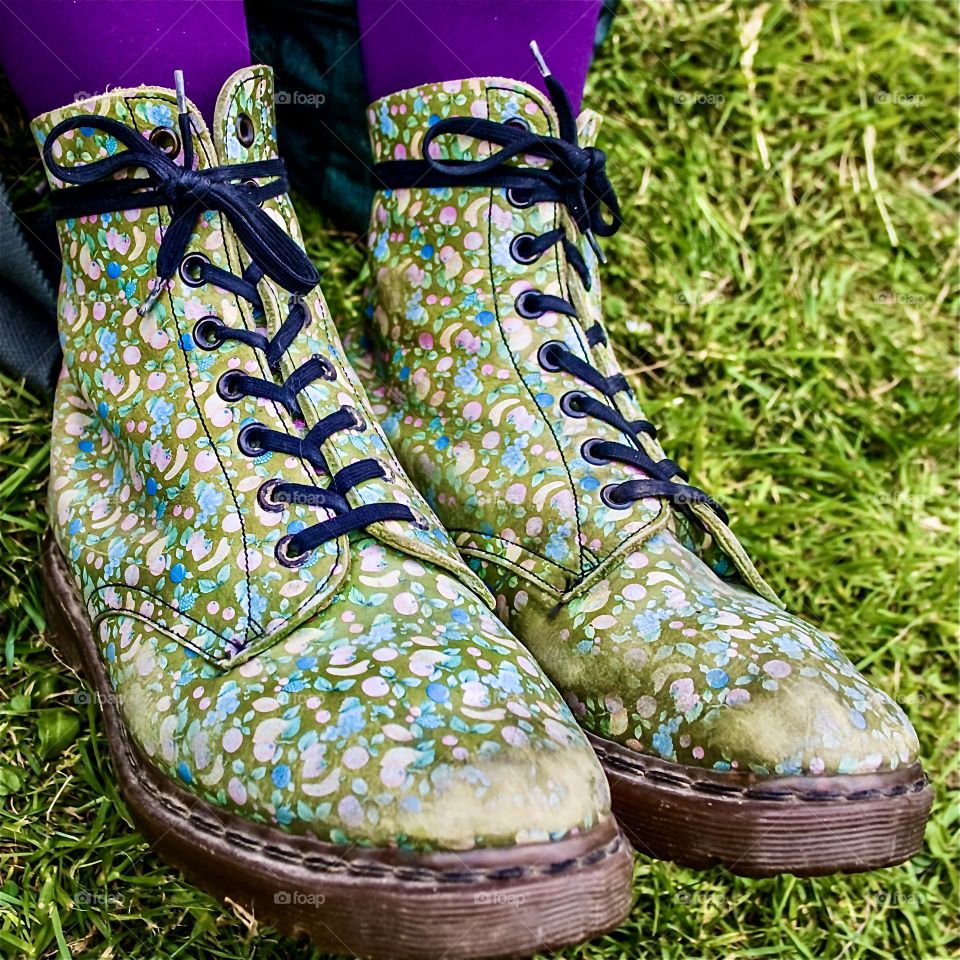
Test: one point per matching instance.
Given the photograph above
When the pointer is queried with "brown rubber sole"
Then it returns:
(761, 826)
(394, 904)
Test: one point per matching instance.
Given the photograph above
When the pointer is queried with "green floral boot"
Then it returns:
(730, 730)
(311, 707)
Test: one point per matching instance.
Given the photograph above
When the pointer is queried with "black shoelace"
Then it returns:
(233, 191)
(576, 177)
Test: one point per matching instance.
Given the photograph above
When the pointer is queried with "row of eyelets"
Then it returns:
(571, 403)
(206, 337)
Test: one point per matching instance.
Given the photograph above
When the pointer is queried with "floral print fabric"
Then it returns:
(368, 696)
(649, 645)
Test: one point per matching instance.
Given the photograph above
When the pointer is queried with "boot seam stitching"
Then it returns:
(311, 472)
(786, 794)
(196, 405)
(513, 359)
(278, 409)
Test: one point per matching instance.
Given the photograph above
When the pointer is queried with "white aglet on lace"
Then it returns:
(153, 297)
(182, 106)
(545, 71)
(538, 56)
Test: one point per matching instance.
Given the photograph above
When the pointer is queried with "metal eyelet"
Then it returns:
(517, 243)
(166, 140)
(246, 441)
(523, 308)
(607, 495)
(191, 267)
(282, 552)
(519, 197)
(266, 500)
(329, 370)
(205, 334)
(246, 133)
(520, 123)
(419, 520)
(586, 451)
(570, 404)
(544, 353)
(389, 474)
(226, 392)
(358, 422)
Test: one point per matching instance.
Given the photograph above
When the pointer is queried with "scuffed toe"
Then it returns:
(407, 719)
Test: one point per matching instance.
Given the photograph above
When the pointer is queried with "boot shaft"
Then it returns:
(160, 495)
(487, 409)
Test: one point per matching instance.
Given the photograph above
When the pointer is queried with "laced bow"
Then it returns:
(187, 193)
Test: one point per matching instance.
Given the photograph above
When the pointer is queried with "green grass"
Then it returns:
(785, 291)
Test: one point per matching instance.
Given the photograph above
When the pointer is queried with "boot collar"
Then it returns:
(489, 98)
(244, 126)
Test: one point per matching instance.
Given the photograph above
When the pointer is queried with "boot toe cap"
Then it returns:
(415, 721)
(674, 662)
(806, 725)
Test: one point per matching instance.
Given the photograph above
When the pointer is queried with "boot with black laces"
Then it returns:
(311, 707)
(731, 730)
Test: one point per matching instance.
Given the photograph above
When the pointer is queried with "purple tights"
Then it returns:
(408, 42)
(55, 50)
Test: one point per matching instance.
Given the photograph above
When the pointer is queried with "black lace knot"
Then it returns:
(186, 192)
(184, 188)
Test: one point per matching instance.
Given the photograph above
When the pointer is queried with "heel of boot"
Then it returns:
(61, 631)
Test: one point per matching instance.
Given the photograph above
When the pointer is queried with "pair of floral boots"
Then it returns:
(397, 669)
